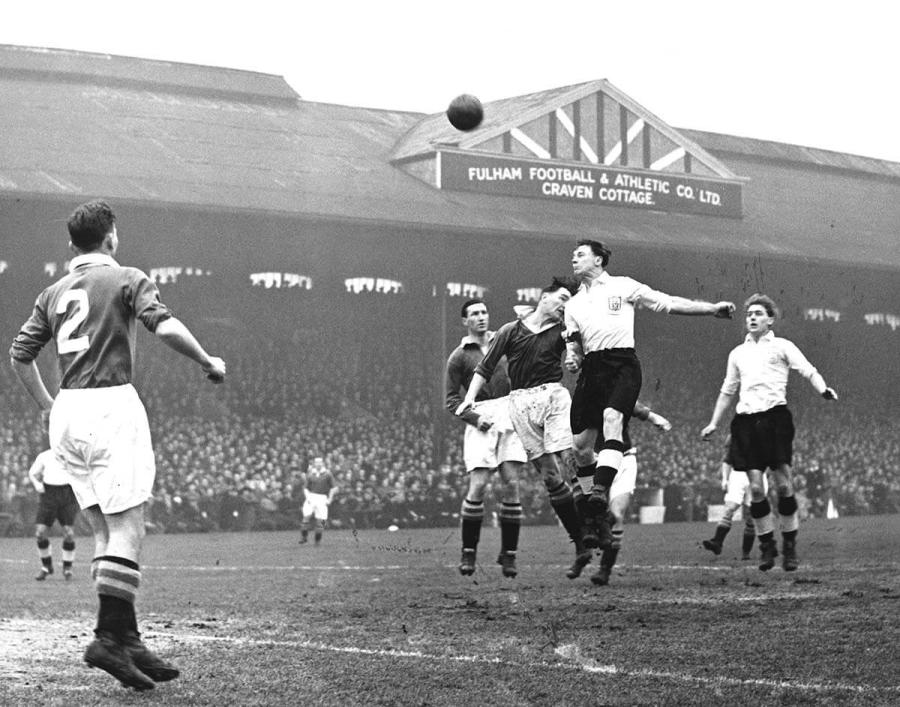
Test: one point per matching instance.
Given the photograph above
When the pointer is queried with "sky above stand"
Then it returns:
(820, 74)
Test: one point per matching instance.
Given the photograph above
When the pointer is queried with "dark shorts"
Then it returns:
(57, 503)
(762, 440)
(609, 379)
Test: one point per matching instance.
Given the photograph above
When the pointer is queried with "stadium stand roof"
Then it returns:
(78, 125)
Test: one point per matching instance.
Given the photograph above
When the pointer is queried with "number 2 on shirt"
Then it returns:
(64, 341)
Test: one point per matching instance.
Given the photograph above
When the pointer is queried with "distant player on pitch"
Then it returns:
(320, 488)
(57, 503)
(98, 425)
(490, 444)
(600, 334)
(762, 429)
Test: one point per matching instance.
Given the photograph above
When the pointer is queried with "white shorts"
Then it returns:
(738, 489)
(540, 416)
(102, 437)
(315, 505)
(626, 479)
(487, 450)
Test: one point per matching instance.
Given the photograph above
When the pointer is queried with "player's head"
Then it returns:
(589, 257)
(475, 316)
(555, 295)
(760, 312)
(92, 226)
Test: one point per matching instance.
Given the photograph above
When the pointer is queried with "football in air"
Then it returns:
(465, 112)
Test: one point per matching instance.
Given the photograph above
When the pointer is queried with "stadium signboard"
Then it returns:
(599, 185)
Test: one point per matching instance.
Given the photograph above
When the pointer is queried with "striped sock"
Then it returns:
(471, 516)
(787, 510)
(762, 518)
(563, 503)
(68, 553)
(44, 552)
(116, 583)
(510, 524)
(609, 461)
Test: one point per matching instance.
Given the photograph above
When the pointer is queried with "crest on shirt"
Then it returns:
(615, 304)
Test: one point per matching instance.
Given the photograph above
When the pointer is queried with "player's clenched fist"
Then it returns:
(215, 369)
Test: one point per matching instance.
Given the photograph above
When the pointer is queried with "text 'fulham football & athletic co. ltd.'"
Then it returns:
(600, 185)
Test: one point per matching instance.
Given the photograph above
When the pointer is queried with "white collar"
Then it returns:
(91, 259)
(768, 336)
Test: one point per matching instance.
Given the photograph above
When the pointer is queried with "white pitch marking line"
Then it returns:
(568, 652)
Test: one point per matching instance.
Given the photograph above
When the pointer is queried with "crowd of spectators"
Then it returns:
(232, 457)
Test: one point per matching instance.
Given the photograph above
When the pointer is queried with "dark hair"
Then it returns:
(89, 224)
(464, 312)
(597, 248)
(562, 283)
(767, 303)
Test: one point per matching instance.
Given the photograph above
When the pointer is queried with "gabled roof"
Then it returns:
(591, 122)
(78, 126)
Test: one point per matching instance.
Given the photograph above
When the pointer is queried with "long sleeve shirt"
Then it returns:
(461, 367)
(758, 372)
(602, 312)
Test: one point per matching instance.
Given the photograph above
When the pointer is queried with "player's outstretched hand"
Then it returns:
(215, 369)
(829, 394)
(572, 362)
(659, 421)
(707, 431)
(724, 310)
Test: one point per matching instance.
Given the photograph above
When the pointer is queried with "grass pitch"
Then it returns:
(383, 618)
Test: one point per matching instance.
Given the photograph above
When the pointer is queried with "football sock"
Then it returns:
(44, 552)
(787, 510)
(472, 516)
(68, 554)
(117, 583)
(510, 524)
(609, 460)
(585, 477)
(563, 504)
(762, 518)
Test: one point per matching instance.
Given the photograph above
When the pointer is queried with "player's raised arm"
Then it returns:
(689, 307)
(179, 338)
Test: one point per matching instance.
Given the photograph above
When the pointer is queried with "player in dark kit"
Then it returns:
(57, 503)
(97, 423)
(319, 488)
(538, 401)
(490, 444)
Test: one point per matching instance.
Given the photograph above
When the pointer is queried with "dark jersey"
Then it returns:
(533, 358)
(319, 481)
(460, 368)
(91, 313)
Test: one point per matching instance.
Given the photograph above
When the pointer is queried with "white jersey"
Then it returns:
(47, 469)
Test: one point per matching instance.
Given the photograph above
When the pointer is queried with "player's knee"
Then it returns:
(68, 534)
(785, 489)
(757, 492)
(40, 534)
(612, 421)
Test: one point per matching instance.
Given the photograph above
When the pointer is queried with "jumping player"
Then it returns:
(97, 423)
(320, 489)
(600, 335)
(490, 444)
(762, 429)
(538, 402)
(57, 503)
